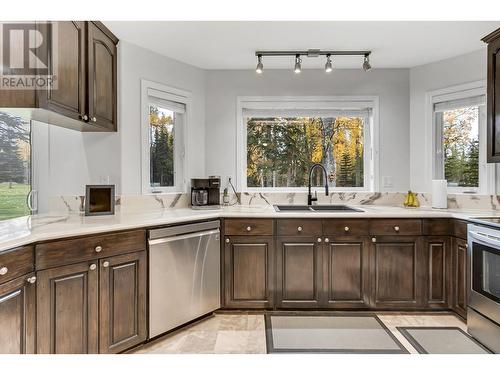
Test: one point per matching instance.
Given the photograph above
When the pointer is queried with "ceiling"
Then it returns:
(232, 45)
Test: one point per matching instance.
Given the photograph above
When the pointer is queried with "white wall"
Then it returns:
(458, 70)
(391, 85)
(134, 64)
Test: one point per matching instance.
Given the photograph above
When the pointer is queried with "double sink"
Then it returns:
(315, 208)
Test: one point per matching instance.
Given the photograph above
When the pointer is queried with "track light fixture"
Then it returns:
(298, 64)
(366, 64)
(260, 66)
(328, 65)
(313, 53)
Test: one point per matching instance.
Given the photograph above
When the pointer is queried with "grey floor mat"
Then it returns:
(442, 340)
(327, 333)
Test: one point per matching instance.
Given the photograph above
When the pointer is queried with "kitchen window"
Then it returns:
(282, 139)
(164, 126)
(460, 134)
(16, 196)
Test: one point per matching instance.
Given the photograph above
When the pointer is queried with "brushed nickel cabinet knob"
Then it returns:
(319, 240)
(31, 279)
(3, 271)
(98, 249)
(105, 264)
(347, 229)
(84, 117)
(396, 228)
(94, 119)
(299, 229)
(249, 228)
(92, 267)
(374, 239)
(227, 240)
(327, 240)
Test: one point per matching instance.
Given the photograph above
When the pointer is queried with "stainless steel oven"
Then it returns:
(483, 260)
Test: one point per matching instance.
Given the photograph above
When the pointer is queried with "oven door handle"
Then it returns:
(486, 239)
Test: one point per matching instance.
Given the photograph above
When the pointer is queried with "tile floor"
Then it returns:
(245, 334)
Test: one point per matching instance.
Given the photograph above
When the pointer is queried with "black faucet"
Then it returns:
(310, 198)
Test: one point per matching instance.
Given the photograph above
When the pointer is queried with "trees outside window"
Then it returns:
(280, 150)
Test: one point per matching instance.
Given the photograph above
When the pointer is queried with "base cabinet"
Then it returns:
(122, 298)
(346, 273)
(299, 272)
(459, 277)
(17, 316)
(92, 307)
(249, 271)
(438, 256)
(397, 272)
(67, 309)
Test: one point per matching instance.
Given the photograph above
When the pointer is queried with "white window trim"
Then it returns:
(176, 95)
(462, 91)
(371, 162)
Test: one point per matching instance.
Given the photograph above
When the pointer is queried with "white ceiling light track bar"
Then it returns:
(312, 53)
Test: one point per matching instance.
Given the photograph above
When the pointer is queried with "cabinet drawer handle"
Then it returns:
(319, 239)
(396, 228)
(374, 239)
(98, 249)
(3, 271)
(249, 228)
(31, 279)
(105, 264)
(347, 229)
(299, 229)
(92, 267)
(227, 240)
(327, 240)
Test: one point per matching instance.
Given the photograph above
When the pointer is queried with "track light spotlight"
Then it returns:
(260, 66)
(298, 64)
(366, 64)
(328, 65)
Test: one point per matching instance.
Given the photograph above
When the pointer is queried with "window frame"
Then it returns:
(486, 171)
(180, 146)
(371, 152)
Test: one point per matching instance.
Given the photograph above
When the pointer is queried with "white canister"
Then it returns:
(439, 194)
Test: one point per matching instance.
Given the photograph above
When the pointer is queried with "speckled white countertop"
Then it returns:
(26, 230)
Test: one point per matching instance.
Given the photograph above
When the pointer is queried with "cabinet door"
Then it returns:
(397, 272)
(459, 277)
(68, 63)
(102, 103)
(122, 297)
(493, 97)
(299, 272)
(346, 273)
(67, 303)
(17, 316)
(438, 257)
(248, 271)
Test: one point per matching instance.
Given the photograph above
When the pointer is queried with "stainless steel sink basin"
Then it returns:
(315, 208)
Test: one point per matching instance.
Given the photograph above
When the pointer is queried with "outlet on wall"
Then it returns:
(387, 182)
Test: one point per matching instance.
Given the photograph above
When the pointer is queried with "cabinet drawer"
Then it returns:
(460, 229)
(249, 227)
(349, 227)
(299, 227)
(64, 252)
(16, 262)
(409, 227)
(437, 227)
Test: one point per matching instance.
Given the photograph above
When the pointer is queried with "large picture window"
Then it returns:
(281, 144)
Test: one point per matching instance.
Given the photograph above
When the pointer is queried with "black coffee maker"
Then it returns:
(205, 192)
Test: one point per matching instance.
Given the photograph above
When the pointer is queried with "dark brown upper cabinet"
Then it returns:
(493, 96)
(83, 57)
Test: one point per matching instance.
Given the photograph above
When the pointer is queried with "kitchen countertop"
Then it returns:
(36, 228)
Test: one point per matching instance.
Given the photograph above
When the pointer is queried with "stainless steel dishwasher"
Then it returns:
(184, 274)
